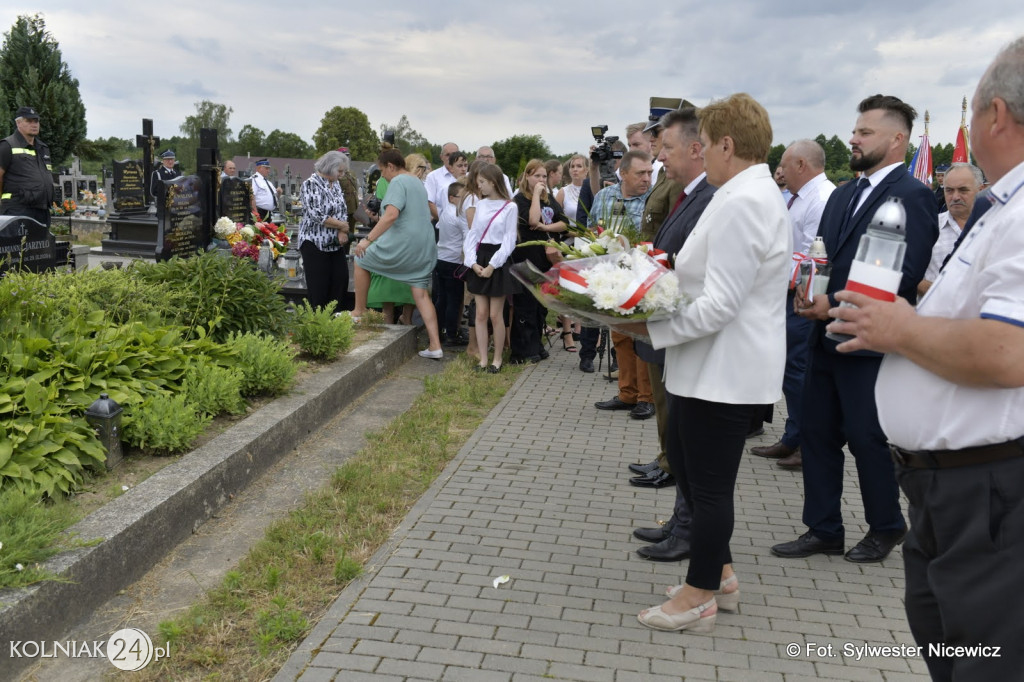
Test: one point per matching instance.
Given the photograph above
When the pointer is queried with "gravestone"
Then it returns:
(129, 187)
(26, 244)
(182, 218)
(236, 199)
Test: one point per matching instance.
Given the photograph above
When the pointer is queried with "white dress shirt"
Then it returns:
(805, 213)
(949, 231)
(919, 410)
(436, 185)
(263, 193)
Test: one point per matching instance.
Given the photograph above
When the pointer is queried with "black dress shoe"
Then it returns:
(669, 549)
(806, 545)
(642, 411)
(875, 547)
(655, 479)
(587, 366)
(613, 404)
(651, 534)
(544, 355)
(518, 360)
(777, 450)
(644, 469)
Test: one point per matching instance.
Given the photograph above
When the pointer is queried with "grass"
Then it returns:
(30, 533)
(246, 628)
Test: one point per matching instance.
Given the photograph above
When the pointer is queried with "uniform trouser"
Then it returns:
(527, 326)
(705, 444)
(961, 558)
(798, 332)
(654, 373)
(326, 276)
(41, 215)
(634, 381)
(839, 408)
(450, 293)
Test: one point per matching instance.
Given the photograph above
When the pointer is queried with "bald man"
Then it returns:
(803, 168)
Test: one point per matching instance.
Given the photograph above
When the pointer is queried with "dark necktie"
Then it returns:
(791, 200)
(679, 202)
(982, 203)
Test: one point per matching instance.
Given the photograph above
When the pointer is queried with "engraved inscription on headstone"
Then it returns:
(26, 244)
(128, 190)
(236, 199)
(180, 217)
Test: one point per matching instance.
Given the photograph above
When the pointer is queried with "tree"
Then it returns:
(775, 155)
(287, 145)
(209, 115)
(407, 140)
(837, 154)
(33, 73)
(347, 127)
(250, 141)
(512, 153)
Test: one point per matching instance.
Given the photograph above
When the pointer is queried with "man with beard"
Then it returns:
(839, 389)
(960, 187)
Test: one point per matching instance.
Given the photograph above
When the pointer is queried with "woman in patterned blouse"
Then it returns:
(324, 233)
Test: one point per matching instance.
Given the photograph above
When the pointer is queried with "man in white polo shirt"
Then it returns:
(950, 396)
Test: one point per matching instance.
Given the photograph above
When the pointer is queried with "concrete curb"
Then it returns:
(140, 527)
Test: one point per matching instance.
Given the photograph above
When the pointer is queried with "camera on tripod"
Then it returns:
(604, 155)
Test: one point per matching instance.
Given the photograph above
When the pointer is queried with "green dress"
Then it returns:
(407, 252)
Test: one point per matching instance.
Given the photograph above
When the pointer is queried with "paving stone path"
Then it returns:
(540, 493)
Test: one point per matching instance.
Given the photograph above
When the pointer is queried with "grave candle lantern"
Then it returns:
(104, 416)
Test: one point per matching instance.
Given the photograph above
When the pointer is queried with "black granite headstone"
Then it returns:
(92, 186)
(236, 199)
(181, 218)
(58, 194)
(26, 244)
(69, 190)
(129, 188)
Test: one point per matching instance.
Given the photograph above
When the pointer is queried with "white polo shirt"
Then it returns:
(436, 185)
(948, 233)
(985, 278)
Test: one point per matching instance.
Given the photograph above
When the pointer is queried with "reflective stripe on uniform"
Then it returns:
(5, 195)
(22, 150)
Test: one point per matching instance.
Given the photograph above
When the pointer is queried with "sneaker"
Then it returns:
(432, 354)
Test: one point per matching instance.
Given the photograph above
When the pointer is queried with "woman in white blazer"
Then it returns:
(725, 351)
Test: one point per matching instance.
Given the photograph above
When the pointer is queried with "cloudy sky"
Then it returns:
(477, 72)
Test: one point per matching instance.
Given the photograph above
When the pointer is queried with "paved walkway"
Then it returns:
(540, 493)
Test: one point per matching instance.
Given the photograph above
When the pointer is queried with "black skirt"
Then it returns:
(500, 283)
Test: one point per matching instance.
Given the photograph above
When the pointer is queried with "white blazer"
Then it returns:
(729, 344)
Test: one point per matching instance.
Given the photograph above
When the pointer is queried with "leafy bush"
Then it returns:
(267, 365)
(212, 389)
(31, 533)
(319, 333)
(163, 424)
(225, 295)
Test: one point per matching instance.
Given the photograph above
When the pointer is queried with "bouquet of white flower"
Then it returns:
(608, 289)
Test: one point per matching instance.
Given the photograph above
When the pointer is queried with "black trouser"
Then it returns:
(450, 293)
(705, 441)
(961, 556)
(588, 342)
(41, 215)
(264, 213)
(326, 276)
(527, 326)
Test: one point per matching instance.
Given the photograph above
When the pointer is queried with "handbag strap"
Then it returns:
(489, 223)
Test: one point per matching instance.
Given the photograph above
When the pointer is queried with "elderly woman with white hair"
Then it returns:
(324, 232)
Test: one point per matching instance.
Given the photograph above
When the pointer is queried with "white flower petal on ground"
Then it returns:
(501, 580)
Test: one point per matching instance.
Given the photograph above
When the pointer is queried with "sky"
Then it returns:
(478, 72)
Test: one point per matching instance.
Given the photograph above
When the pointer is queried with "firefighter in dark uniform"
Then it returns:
(166, 171)
(26, 178)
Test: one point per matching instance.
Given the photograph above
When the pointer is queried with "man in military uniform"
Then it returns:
(26, 178)
(166, 171)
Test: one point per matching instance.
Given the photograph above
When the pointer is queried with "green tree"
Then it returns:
(347, 127)
(942, 154)
(512, 153)
(33, 73)
(775, 155)
(250, 141)
(209, 115)
(99, 153)
(837, 154)
(287, 145)
(408, 140)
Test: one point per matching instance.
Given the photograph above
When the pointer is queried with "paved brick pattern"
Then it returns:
(540, 493)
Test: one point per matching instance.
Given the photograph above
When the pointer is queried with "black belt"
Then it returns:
(949, 459)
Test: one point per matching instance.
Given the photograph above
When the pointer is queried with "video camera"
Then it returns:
(604, 155)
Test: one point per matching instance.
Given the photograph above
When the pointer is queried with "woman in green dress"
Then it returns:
(401, 246)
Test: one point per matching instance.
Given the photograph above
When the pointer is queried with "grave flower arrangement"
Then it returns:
(246, 240)
(629, 285)
(66, 207)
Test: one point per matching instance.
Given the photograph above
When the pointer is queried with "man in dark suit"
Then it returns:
(166, 171)
(839, 389)
(681, 154)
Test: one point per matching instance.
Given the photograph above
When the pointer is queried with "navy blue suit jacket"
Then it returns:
(922, 231)
(670, 238)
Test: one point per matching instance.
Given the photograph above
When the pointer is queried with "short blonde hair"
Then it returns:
(741, 118)
(414, 163)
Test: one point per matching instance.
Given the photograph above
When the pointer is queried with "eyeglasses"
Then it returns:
(422, 167)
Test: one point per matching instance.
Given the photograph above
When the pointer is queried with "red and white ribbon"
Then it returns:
(572, 280)
(800, 259)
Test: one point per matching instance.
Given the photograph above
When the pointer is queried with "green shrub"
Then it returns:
(212, 389)
(30, 533)
(221, 293)
(319, 333)
(163, 424)
(267, 365)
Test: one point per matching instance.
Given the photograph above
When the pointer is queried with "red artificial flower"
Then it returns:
(550, 288)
